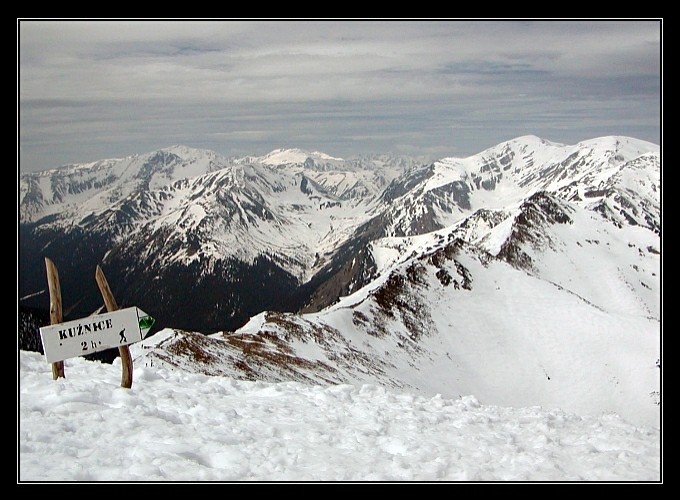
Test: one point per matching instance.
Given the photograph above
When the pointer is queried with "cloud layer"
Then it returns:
(96, 89)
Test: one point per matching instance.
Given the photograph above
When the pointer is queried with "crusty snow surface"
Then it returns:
(176, 426)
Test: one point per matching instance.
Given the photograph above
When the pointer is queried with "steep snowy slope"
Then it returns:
(627, 195)
(614, 267)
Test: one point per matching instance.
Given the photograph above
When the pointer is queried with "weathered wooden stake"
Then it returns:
(112, 305)
(55, 309)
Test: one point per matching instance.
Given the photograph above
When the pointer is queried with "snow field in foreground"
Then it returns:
(174, 426)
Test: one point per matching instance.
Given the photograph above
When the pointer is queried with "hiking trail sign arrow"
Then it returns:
(95, 333)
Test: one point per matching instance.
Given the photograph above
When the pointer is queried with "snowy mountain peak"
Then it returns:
(628, 145)
(529, 140)
(188, 152)
(294, 156)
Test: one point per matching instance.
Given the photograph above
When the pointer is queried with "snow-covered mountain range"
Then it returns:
(520, 274)
(182, 223)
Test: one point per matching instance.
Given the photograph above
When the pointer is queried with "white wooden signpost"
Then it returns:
(116, 328)
(95, 333)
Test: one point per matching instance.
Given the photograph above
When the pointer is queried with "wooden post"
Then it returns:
(112, 305)
(55, 309)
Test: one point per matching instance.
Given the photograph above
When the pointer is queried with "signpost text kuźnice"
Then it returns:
(95, 333)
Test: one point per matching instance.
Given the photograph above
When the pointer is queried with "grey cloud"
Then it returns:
(89, 90)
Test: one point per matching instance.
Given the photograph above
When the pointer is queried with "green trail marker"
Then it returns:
(146, 322)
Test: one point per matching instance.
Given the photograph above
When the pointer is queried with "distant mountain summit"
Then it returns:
(295, 156)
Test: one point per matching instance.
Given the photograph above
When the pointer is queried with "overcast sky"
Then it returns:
(103, 89)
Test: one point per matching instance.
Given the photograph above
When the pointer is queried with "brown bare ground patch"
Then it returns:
(193, 346)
